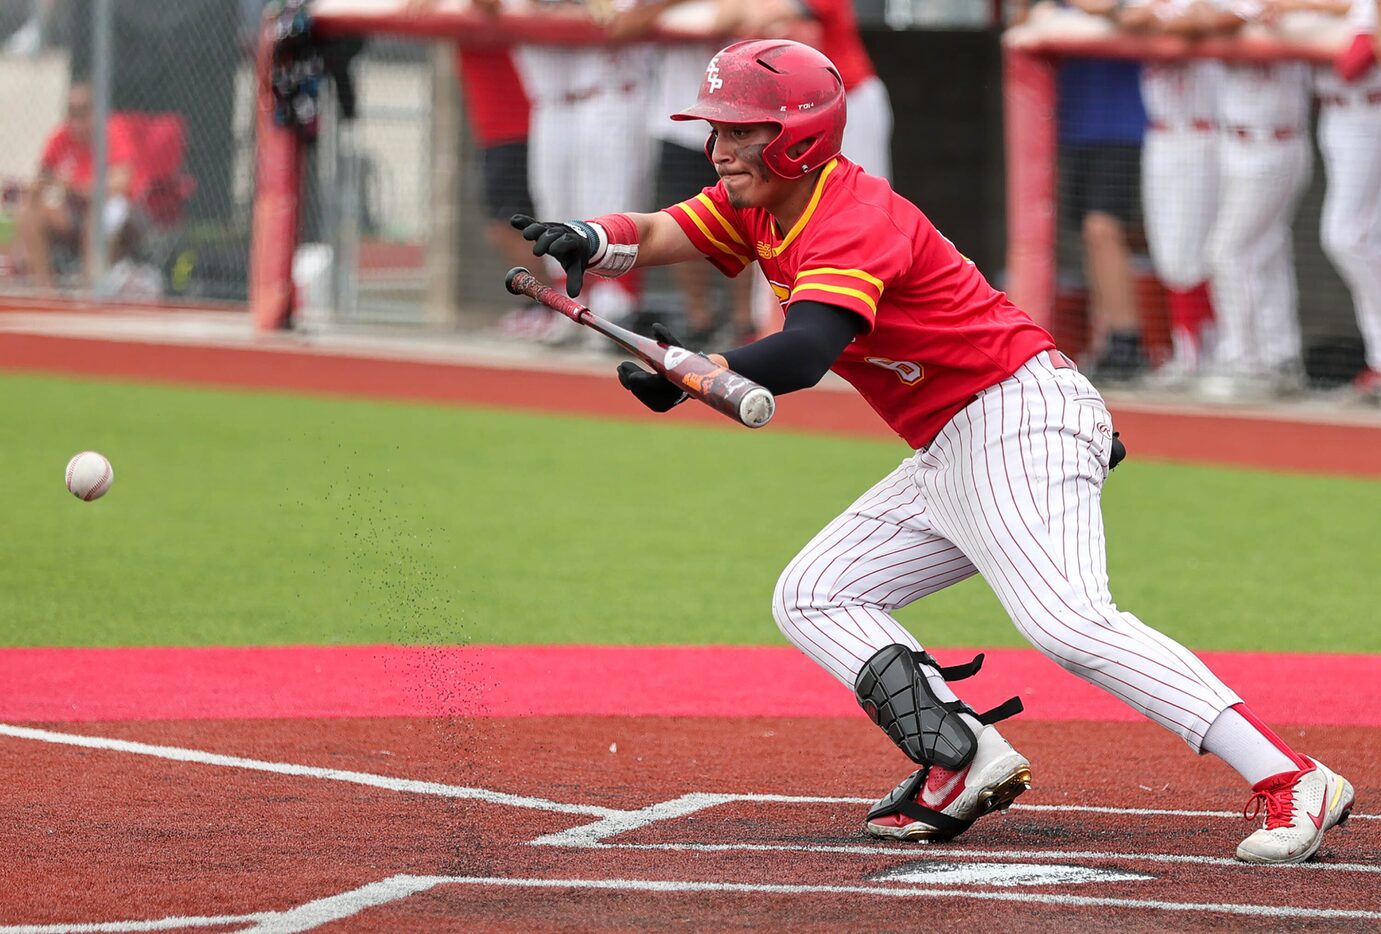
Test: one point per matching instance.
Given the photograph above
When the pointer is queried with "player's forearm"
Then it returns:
(799, 355)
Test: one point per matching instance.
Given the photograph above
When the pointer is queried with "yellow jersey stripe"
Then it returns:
(863, 297)
(728, 228)
(719, 245)
(781, 291)
(810, 208)
(832, 271)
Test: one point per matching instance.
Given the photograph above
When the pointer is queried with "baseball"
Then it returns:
(89, 476)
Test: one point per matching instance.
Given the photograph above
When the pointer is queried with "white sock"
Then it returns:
(940, 687)
(1235, 740)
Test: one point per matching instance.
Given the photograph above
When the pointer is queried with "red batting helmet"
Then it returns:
(782, 82)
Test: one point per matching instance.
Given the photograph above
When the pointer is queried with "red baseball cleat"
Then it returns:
(1300, 807)
(991, 781)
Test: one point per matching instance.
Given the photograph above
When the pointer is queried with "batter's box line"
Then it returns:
(345, 905)
(610, 822)
(945, 851)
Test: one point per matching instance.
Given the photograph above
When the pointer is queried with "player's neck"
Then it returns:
(788, 207)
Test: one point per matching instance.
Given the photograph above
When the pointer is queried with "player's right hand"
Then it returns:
(653, 390)
(572, 244)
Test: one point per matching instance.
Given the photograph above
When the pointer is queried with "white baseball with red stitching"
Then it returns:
(89, 475)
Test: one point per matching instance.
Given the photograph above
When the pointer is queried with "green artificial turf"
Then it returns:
(257, 518)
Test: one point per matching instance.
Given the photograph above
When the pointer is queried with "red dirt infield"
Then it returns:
(637, 823)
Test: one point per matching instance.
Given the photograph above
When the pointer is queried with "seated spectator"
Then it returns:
(53, 211)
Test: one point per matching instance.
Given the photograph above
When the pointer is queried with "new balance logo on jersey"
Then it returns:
(712, 78)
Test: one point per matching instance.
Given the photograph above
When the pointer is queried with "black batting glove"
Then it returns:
(570, 243)
(1119, 451)
(653, 390)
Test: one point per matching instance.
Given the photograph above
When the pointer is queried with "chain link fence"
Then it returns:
(174, 79)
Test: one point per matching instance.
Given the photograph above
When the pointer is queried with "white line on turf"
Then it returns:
(404, 885)
(344, 905)
(388, 782)
(180, 754)
(921, 851)
(118, 927)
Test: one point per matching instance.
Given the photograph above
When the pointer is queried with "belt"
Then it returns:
(1278, 133)
(575, 97)
(1200, 126)
(1340, 100)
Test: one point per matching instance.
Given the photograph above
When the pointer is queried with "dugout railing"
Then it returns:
(281, 156)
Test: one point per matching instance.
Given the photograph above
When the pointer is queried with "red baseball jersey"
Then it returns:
(937, 333)
(494, 96)
(840, 41)
(69, 159)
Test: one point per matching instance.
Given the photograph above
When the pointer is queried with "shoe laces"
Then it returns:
(1276, 799)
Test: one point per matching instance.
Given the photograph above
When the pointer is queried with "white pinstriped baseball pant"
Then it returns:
(1010, 489)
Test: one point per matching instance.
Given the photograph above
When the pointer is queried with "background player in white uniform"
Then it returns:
(588, 149)
(1264, 164)
(1350, 140)
(1179, 177)
(681, 169)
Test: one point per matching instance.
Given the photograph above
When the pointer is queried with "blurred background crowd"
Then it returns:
(1219, 216)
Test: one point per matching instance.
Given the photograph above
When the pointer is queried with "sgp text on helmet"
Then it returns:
(779, 82)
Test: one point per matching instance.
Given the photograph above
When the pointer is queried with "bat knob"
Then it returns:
(513, 274)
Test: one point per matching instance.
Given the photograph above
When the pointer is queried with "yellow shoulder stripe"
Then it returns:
(718, 244)
(832, 271)
(810, 207)
(728, 228)
(863, 297)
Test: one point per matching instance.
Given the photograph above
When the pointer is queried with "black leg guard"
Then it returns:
(896, 696)
(903, 800)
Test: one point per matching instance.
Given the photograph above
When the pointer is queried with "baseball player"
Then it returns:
(1179, 178)
(1264, 165)
(1350, 140)
(1012, 446)
(582, 99)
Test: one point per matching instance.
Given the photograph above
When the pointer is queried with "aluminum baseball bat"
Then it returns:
(718, 387)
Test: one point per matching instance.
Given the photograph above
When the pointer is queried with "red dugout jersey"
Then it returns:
(840, 41)
(937, 333)
(494, 96)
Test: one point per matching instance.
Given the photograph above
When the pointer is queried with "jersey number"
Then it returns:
(908, 371)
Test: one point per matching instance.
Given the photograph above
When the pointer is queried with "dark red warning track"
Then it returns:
(1197, 436)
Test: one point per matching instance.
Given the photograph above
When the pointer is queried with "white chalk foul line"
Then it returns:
(1020, 806)
(342, 906)
(178, 754)
(945, 851)
(157, 924)
(300, 919)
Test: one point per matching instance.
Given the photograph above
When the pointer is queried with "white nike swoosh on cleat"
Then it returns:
(942, 792)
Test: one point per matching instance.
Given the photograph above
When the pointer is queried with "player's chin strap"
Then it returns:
(894, 691)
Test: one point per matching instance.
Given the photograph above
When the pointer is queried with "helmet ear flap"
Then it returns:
(709, 145)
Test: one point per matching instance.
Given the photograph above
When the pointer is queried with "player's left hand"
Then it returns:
(654, 391)
(571, 243)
